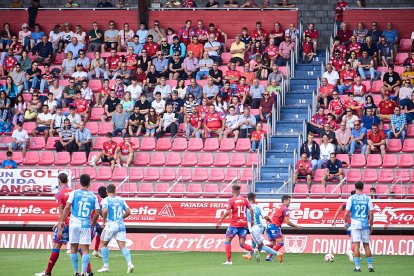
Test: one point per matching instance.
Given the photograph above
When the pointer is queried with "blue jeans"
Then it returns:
(281, 61)
(33, 83)
(355, 145)
(362, 73)
(342, 88)
(5, 42)
(256, 145)
(118, 130)
(390, 135)
(201, 74)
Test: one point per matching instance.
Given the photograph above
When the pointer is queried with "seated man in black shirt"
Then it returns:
(333, 170)
(110, 106)
(136, 122)
(143, 104)
(153, 79)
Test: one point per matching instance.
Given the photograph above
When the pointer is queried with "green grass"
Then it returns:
(27, 262)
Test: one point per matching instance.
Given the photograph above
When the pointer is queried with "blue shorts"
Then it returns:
(97, 230)
(348, 232)
(65, 235)
(239, 231)
(273, 232)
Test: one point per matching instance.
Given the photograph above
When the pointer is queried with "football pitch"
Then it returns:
(27, 262)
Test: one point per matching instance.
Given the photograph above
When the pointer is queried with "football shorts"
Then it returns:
(64, 238)
(273, 232)
(358, 235)
(239, 231)
(79, 235)
(112, 231)
(256, 231)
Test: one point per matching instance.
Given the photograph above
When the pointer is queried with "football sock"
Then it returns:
(352, 247)
(105, 255)
(278, 246)
(253, 246)
(89, 264)
(370, 262)
(54, 256)
(269, 250)
(127, 255)
(97, 242)
(246, 246)
(74, 260)
(357, 261)
(228, 251)
(85, 262)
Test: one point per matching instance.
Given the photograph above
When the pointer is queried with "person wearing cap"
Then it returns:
(79, 75)
(74, 46)
(285, 49)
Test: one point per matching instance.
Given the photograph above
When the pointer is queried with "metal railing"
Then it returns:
(292, 62)
(335, 28)
(327, 55)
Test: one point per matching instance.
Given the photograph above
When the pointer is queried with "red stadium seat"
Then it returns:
(399, 58)
(173, 159)
(147, 143)
(105, 127)
(47, 158)
(96, 113)
(410, 192)
(319, 174)
(410, 131)
(51, 141)
(343, 158)
(346, 190)
(406, 161)
(394, 145)
(246, 175)
(32, 158)
(95, 85)
(92, 156)
(386, 176)
(178, 190)
(374, 161)
(98, 143)
(205, 159)
(146, 190)
(238, 159)
(62, 158)
(252, 159)
(189, 159)
(405, 45)
(78, 158)
(93, 127)
(200, 175)
(225, 58)
(37, 143)
(162, 190)
(376, 87)
(168, 174)
(211, 190)
(243, 144)
(163, 144)
(119, 174)
(89, 170)
(225, 191)
(300, 191)
(221, 160)
(227, 144)
(104, 173)
(370, 176)
(195, 144)
(382, 190)
(194, 190)
(390, 161)
(151, 174)
(129, 190)
(136, 174)
(157, 159)
(216, 175)
(29, 126)
(179, 144)
(317, 191)
(332, 191)
(184, 174)
(358, 161)
(399, 191)
(232, 174)
(402, 176)
(141, 158)
(353, 175)
(211, 144)
(408, 144)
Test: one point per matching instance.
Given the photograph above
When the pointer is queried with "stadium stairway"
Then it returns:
(289, 130)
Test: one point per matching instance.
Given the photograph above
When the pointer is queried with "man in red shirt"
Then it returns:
(238, 206)
(303, 170)
(242, 90)
(337, 61)
(218, 33)
(259, 33)
(325, 93)
(353, 104)
(314, 35)
(82, 106)
(346, 78)
(112, 64)
(359, 89)
(193, 121)
(386, 107)
(196, 47)
(232, 75)
(201, 32)
(9, 62)
(376, 140)
(125, 151)
(336, 106)
(151, 47)
(186, 33)
(108, 152)
(339, 10)
(214, 122)
(131, 59)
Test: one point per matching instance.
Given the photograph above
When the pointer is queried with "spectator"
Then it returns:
(74, 47)
(371, 49)
(238, 107)
(80, 34)
(6, 35)
(358, 89)
(276, 75)
(112, 65)
(163, 88)
(314, 36)
(376, 140)
(197, 47)
(9, 163)
(232, 124)
(66, 138)
(143, 104)
(217, 75)
(104, 4)
(33, 108)
(373, 192)
(285, 4)
(20, 140)
(212, 4)
(135, 45)
(125, 151)
(84, 60)
(142, 79)
(231, 4)
(58, 121)
(119, 121)
(237, 51)
(168, 122)
(124, 37)
(353, 46)
(97, 66)
(142, 33)
(265, 108)
(392, 82)
(19, 109)
(312, 150)
(366, 65)
(205, 65)
(385, 52)
(187, 32)
(392, 38)
(136, 122)
(83, 139)
(370, 119)
(11, 90)
(119, 88)
(190, 66)
(333, 170)
(212, 47)
(256, 138)
(327, 130)
(331, 121)
(86, 91)
(170, 35)
(68, 66)
(247, 123)
(353, 105)
(108, 152)
(74, 117)
(331, 75)
(303, 170)
(80, 75)
(102, 94)
(158, 104)
(193, 121)
(110, 106)
(292, 32)
(285, 49)
(374, 33)
(96, 38)
(156, 32)
(195, 89)
(347, 78)
(358, 138)
(410, 58)
(256, 94)
(161, 64)
(51, 103)
(307, 51)
(36, 36)
(343, 138)
(46, 79)
(32, 79)
(405, 94)
(242, 90)
(178, 46)
(9, 63)
(69, 93)
(110, 37)
(386, 107)
(178, 106)
(337, 61)
(349, 118)
(71, 4)
(213, 123)
(326, 149)
(315, 126)
(134, 89)
(190, 103)
(149, 51)
(408, 74)
(124, 74)
(336, 106)
(232, 75)
(210, 91)
(152, 122)
(176, 67)
(398, 125)
(324, 96)
(25, 61)
(81, 106)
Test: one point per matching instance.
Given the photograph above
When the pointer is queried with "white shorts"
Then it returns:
(358, 235)
(112, 231)
(257, 234)
(79, 235)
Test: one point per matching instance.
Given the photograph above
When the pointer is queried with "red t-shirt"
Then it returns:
(337, 106)
(217, 34)
(314, 34)
(242, 90)
(61, 199)
(387, 108)
(318, 119)
(353, 104)
(348, 77)
(339, 10)
(278, 215)
(213, 121)
(238, 206)
(376, 138)
(355, 47)
(256, 35)
(233, 73)
(194, 119)
(326, 90)
(307, 47)
(81, 105)
(272, 51)
(306, 167)
(202, 110)
(151, 48)
(113, 62)
(109, 148)
(129, 58)
(48, 77)
(104, 90)
(341, 48)
(337, 63)
(16, 48)
(9, 63)
(124, 148)
(201, 32)
(257, 136)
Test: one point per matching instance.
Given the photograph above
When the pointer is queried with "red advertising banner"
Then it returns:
(205, 213)
(336, 244)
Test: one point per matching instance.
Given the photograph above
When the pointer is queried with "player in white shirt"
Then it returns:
(114, 211)
(362, 222)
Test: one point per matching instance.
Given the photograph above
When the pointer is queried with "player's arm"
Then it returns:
(251, 215)
(127, 213)
(267, 219)
(346, 217)
(371, 220)
(64, 214)
(336, 215)
(291, 224)
(225, 215)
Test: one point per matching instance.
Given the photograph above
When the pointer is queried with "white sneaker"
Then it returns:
(227, 263)
(130, 268)
(68, 251)
(103, 269)
(97, 254)
(41, 274)
(350, 255)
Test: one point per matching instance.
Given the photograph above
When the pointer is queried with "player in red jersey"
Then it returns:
(61, 236)
(279, 216)
(238, 206)
(342, 207)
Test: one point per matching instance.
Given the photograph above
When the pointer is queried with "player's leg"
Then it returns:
(356, 240)
(120, 237)
(230, 233)
(242, 233)
(84, 242)
(106, 236)
(350, 253)
(74, 234)
(98, 231)
(368, 253)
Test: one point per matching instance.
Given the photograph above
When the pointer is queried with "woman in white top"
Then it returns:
(220, 104)
(57, 91)
(68, 65)
(353, 60)
(326, 149)
(80, 34)
(127, 103)
(54, 37)
(349, 118)
(24, 36)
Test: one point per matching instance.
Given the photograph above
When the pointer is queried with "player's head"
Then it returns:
(359, 186)
(110, 189)
(286, 200)
(85, 180)
(353, 192)
(235, 190)
(102, 192)
(63, 179)
(251, 197)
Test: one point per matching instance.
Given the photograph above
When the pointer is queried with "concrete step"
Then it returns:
(274, 173)
(289, 128)
(307, 67)
(287, 143)
(289, 113)
(279, 158)
(296, 99)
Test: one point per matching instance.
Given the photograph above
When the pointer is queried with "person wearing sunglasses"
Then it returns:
(358, 138)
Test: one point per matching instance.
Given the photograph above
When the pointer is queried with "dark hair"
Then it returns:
(111, 188)
(109, 135)
(251, 196)
(359, 185)
(102, 192)
(9, 154)
(127, 135)
(285, 197)
(19, 124)
(85, 180)
(235, 188)
(63, 177)
(353, 192)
